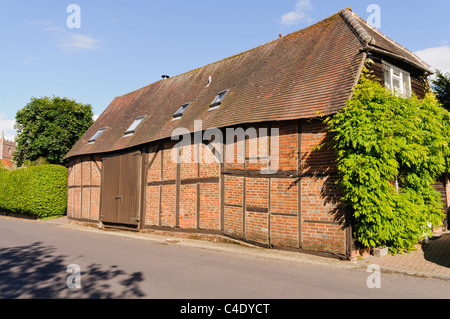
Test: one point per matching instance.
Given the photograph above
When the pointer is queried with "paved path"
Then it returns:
(429, 260)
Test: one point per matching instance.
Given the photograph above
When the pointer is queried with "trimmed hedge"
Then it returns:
(39, 191)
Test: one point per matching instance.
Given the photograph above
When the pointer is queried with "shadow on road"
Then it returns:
(37, 271)
(438, 250)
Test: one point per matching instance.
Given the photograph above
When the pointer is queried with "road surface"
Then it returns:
(39, 260)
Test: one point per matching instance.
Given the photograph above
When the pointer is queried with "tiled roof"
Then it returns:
(300, 75)
(378, 42)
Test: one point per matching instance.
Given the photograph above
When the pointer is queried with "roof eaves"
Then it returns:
(422, 67)
(369, 42)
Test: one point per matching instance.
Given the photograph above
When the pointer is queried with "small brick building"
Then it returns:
(7, 149)
(123, 171)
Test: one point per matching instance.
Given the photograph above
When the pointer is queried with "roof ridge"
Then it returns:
(287, 78)
(350, 17)
(234, 56)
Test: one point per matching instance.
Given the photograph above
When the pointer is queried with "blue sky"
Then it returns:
(122, 45)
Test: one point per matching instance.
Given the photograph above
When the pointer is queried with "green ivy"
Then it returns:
(383, 140)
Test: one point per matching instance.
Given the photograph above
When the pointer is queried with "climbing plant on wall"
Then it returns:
(390, 150)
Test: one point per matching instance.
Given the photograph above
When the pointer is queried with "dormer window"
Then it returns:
(397, 80)
(178, 114)
(219, 99)
(96, 135)
(132, 129)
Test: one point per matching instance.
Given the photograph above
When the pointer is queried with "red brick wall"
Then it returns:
(7, 163)
(284, 226)
(199, 198)
(209, 206)
(264, 209)
(258, 208)
(321, 218)
(233, 215)
(84, 182)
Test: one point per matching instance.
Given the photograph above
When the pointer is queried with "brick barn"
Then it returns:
(122, 172)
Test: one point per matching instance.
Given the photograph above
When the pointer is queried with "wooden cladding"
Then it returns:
(186, 181)
(121, 189)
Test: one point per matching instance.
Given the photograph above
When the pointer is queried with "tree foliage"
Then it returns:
(383, 140)
(441, 85)
(49, 127)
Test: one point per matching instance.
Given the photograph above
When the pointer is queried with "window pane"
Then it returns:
(406, 84)
(396, 71)
(96, 135)
(216, 100)
(181, 110)
(133, 126)
(396, 85)
(387, 78)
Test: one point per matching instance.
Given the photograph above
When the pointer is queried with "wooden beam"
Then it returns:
(257, 173)
(145, 165)
(178, 195)
(161, 187)
(222, 186)
(257, 209)
(197, 207)
(299, 184)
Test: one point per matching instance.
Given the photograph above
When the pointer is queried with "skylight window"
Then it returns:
(96, 135)
(134, 126)
(219, 99)
(181, 111)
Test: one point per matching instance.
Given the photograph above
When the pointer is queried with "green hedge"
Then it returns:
(40, 191)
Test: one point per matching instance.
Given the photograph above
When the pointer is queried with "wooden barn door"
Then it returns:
(121, 189)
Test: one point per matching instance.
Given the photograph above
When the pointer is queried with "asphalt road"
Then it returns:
(35, 256)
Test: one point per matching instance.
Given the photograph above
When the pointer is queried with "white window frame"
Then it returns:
(393, 73)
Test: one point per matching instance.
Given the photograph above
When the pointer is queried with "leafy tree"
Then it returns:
(390, 150)
(48, 128)
(441, 85)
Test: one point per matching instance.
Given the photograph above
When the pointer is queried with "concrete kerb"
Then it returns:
(394, 270)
